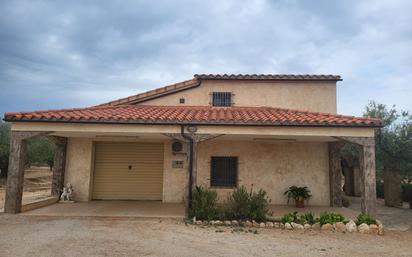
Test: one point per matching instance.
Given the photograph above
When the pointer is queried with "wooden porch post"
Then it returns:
(59, 164)
(368, 178)
(335, 174)
(367, 172)
(15, 176)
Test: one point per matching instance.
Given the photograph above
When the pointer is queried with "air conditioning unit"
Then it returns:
(177, 147)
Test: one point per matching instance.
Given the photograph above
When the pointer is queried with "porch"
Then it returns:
(112, 209)
(271, 158)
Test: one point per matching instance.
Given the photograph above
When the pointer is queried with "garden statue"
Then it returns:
(67, 193)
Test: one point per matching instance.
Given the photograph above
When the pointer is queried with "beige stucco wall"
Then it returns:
(174, 179)
(272, 166)
(305, 95)
(79, 162)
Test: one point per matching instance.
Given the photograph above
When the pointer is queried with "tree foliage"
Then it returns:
(4, 147)
(39, 150)
(394, 139)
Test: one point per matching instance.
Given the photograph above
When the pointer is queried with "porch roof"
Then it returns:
(146, 114)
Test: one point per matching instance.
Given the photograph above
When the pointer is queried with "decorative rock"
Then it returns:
(351, 226)
(262, 225)
(235, 223)
(199, 222)
(307, 226)
(373, 229)
(340, 227)
(316, 226)
(288, 226)
(218, 223)
(296, 225)
(363, 228)
(248, 224)
(380, 227)
(227, 223)
(194, 220)
(282, 226)
(269, 224)
(277, 224)
(255, 224)
(327, 227)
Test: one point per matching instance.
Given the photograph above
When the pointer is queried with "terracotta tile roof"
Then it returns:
(187, 84)
(144, 114)
(155, 93)
(268, 77)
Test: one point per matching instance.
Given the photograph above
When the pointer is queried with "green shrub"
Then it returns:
(289, 217)
(306, 218)
(330, 217)
(204, 204)
(243, 205)
(365, 218)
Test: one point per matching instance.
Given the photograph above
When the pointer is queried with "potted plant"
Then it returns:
(300, 194)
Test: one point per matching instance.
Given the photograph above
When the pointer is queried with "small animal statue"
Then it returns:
(67, 193)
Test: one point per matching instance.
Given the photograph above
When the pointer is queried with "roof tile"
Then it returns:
(146, 114)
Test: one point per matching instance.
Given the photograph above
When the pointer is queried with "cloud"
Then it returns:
(56, 54)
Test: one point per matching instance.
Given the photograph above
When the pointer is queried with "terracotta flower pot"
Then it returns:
(300, 203)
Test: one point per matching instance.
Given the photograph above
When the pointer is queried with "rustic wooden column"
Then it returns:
(335, 174)
(15, 176)
(368, 177)
(367, 172)
(59, 164)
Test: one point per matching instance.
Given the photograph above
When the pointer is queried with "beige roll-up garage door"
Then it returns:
(128, 171)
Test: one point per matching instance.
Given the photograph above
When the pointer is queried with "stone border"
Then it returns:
(341, 227)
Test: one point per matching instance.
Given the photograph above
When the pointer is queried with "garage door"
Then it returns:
(128, 171)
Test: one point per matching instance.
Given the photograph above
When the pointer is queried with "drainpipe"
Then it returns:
(190, 139)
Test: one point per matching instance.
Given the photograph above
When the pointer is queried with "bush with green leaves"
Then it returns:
(306, 218)
(365, 218)
(204, 204)
(243, 204)
(289, 217)
(330, 218)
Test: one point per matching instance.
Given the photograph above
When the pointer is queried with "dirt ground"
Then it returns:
(45, 236)
(37, 185)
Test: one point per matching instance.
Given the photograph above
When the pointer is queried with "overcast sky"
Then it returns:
(63, 54)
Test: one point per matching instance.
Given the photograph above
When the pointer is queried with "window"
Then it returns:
(223, 171)
(182, 100)
(222, 99)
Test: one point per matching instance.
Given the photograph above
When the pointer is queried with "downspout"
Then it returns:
(190, 186)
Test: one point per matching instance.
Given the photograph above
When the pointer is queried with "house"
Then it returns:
(218, 131)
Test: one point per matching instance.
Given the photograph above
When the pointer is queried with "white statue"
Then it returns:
(67, 193)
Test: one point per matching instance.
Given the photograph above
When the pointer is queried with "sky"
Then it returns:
(65, 54)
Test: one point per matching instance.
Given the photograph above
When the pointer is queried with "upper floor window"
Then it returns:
(222, 99)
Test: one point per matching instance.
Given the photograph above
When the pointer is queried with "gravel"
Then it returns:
(46, 236)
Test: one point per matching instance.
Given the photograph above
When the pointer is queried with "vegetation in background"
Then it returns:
(4, 147)
(39, 150)
(204, 204)
(394, 140)
(365, 218)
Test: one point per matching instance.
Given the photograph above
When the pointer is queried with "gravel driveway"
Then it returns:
(45, 236)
